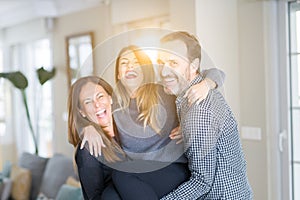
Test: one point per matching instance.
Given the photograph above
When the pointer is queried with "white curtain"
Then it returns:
(27, 57)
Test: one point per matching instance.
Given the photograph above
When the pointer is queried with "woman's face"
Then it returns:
(130, 71)
(95, 104)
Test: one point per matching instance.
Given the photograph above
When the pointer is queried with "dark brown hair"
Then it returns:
(76, 121)
(191, 42)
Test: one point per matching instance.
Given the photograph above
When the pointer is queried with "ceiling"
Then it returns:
(14, 12)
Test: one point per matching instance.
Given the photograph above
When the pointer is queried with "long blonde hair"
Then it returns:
(76, 120)
(147, 95)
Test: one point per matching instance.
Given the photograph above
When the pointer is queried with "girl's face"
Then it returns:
(130, 72)
(95, 104)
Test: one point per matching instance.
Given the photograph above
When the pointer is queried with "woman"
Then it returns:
(90, 103)
(145, 116)
(142, 110)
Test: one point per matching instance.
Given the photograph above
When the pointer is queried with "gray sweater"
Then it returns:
(143, 143)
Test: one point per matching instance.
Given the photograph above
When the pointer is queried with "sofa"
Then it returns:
(37, 178)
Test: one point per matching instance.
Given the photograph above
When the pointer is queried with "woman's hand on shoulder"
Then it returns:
(94, 140)
(198, 92)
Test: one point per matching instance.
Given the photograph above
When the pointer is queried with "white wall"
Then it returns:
(217, 29)
(134, 10)
(182, 15)
(260, 55)
(252, 65)
(240, 37)
(31, 31)
(96, 20)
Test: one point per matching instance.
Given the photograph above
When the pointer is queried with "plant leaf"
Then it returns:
(45, 75)
(16, 78)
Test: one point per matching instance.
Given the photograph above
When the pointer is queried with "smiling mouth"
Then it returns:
(101, 113)
(169, 81)
(131, 74)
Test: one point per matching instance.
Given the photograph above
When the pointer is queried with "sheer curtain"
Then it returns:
(27, 57)
(6, 122)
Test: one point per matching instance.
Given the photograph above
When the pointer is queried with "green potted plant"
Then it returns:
(19, 80)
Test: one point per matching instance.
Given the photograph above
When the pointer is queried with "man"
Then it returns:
(210, 132)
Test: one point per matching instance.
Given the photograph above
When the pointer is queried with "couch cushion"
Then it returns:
(36, 165)
(73, 182)
(5, 188)
(68, 192)
(41, 196)
(21, 182)
(58, 169)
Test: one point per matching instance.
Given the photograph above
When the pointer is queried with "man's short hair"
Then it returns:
(191, 42)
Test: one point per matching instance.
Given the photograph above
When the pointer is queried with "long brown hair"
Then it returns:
(76, 120)
(147, 95)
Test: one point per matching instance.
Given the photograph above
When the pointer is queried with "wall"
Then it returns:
(182, 15)
(96, 20)
(133, 10)
(32, 30)
(239, 36)
(217, 29)
(264, 50)
(253, 92)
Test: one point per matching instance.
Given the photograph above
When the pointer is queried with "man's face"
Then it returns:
(175, 66)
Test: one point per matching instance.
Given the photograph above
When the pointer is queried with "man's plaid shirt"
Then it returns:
(213, 149)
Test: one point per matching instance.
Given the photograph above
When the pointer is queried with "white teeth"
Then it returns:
(168, 80)
(100, 112)
(131, 73)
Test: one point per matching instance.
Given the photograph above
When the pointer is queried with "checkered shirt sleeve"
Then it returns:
(214, 152)
(200, 135)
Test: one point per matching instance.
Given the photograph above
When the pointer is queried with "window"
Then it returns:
(2, 99)
(295, 95)
(27, 58)
(2, 108)
(80, 57)
(5, 105)
(42, 100)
